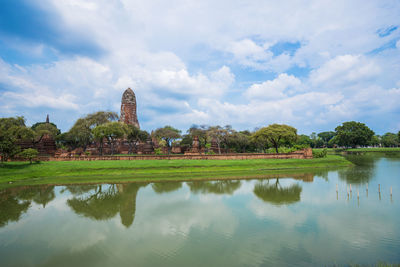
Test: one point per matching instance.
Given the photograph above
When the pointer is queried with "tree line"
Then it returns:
(103, 127)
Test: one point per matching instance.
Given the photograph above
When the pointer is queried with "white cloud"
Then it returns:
(344, 69)
(273, 89)
(186, 61)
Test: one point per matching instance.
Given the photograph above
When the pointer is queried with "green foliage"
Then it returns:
(29, 154)
(326, 137)
(158, 151)
(168, 134)
(12, 130)
(352, 134)
(390, 140)
(46, 129)
(110, 131)
(51, 127)
(200, 132)
(219, 135)
(304, 140)
(320, 153)
(276, 135)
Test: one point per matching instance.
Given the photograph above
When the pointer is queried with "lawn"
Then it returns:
(113, 171)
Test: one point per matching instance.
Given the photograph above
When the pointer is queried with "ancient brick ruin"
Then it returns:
(128, 108)
(45, 144)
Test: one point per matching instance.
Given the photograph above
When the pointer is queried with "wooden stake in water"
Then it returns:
(350, 188)
(336, 187)
(367, 187)
(379, 188)
(358, 194)
(390, 191)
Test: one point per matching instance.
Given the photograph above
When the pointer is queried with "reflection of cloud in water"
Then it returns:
(282, 214)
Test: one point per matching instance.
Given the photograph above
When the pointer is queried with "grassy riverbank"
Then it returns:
(364, 149)
(68, 172)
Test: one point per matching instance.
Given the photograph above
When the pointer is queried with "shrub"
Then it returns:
(29, 154)
(320, 153)
(158, 151)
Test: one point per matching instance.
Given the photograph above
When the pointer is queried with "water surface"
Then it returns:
(286, 220)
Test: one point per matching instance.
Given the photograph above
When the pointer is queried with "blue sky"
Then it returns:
(310, 64)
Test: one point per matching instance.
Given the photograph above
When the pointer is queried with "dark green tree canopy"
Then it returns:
(390, 140)
(352, 134)
(168, 134)
(12, 130)
(276, 135)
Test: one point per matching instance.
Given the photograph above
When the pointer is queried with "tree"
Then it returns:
(375, 140)
(398, 137)
(390, 140)
(304, 140)
(54, 131)
(29, 154)
(46, 128)
(134, 135)
(218, 133)
(111, 131)
(277, 135)
(168, 134)
(352, 134)
(326, 136)
(12, 130)
(200, 132)
(80, 135)
(239, 141)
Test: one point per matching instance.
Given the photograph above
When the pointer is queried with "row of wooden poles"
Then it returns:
(358, 191)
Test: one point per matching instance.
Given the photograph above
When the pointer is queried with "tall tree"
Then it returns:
(111, 131)
(134, 135)
(326, 136)
(277, 135)
(168, 134)
(80, 135)
(218, 134)
(390, 140)
(352, 134)
(12, 130)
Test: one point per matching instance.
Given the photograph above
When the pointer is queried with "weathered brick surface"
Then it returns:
(128, 108)
(301, 154)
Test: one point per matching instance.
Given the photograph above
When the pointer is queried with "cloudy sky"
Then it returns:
(312, 64)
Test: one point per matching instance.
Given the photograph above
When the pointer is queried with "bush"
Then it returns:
(158, 151)
(320, 154)
(29, 154)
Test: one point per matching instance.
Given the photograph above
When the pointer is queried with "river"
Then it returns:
(303, 219)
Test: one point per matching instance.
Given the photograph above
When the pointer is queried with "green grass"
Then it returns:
(375, 149)
(113, 171)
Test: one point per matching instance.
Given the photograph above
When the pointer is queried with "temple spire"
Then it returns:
(47, 119)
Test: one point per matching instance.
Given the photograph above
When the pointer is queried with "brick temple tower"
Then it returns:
(128, 108)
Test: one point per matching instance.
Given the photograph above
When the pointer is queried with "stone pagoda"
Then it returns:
(128, 108)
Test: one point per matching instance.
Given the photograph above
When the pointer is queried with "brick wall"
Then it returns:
(301, 154)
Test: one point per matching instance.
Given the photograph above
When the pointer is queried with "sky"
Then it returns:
(311, 64)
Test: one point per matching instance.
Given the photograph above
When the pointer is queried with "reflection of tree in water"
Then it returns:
(11, 208)
(15, 201)
(276, 194)
(215, 187)
(39, 194)
(363, 169)
(106, 201)
(166, 187)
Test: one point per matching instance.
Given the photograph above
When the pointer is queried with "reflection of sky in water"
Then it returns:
(210, 223)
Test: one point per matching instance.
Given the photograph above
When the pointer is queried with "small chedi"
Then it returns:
(195, 150)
